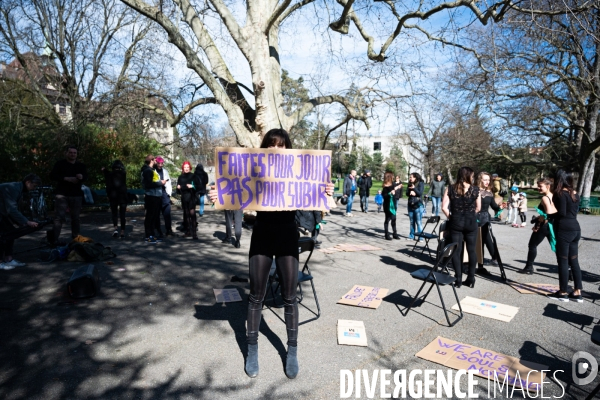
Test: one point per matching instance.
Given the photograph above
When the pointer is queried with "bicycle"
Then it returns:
(38, 205)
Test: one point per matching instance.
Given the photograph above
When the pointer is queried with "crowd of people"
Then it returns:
(465, 203)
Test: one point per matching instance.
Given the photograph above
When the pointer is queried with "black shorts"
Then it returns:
(274, 240)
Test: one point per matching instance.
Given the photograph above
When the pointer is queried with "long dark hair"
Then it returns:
(465, 175)
(417, 177)
(118, 164)
(276, 137)
(564, 180)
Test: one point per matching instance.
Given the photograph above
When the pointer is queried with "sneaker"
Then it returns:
(577, 298)
(151, 240)
(115, 234)
(493, 262)
(6, 267)
(523, 225)
(527, 270)
(558, 296)
(15, 263)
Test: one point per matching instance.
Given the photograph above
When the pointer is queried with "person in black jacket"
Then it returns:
(201, 190)
(11, 193)
(568, 234)
(389, 196)
(364, 187)
(70, 174)
(484, 218)
(152, 185)
(116, 190)
(186, 186)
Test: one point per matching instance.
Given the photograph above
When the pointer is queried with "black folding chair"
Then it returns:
(427, 235)
(438, 276)
(596, 340)
(305, 245)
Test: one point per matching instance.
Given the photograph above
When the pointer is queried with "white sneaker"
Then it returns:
(15, 263)
(349, 215)
(523, 225)
(5, 266)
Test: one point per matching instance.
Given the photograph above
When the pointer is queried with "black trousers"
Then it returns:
(567, 244)
(152, 205)
(487, 241)
(118, 213)
(463, 227)
(389, 217)
(534, 241)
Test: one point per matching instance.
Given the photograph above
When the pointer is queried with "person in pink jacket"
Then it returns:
(523, 209)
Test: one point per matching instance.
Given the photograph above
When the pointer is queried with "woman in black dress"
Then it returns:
(275, 235)
(116, 191)
(187, 184)
(568, 234)
(461, 204)
(483, 217)
(389, 200)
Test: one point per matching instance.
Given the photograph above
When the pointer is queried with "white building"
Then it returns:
(384, 145)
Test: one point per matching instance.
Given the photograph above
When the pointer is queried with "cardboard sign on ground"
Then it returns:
(227, 295)
(272, 179)
(488, 309)
(364, 296)
(331, 250)
(351, 333)
(534, 288)
(462, 356)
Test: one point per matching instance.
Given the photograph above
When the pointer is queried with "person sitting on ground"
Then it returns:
(116, 191)
(11, 194)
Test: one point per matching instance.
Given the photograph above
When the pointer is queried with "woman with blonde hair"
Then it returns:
(461, 204)
(484, 219)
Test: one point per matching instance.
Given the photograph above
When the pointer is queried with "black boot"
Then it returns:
(470, 282)
(291, 362)
(252, 361)
(527, 270)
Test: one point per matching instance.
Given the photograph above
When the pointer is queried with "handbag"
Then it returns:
(414, 202)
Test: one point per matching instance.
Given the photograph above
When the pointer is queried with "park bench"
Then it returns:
(590, 205)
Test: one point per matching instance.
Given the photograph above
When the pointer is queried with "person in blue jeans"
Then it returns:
(414, 191)
(436, 192)
(201, 191)
(350, 191)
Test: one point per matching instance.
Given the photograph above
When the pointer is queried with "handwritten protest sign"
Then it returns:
(498, 366)
(272, 179)
(488, 309)
(227, 295)
(351, 333)
(531, 288)
(364, 296)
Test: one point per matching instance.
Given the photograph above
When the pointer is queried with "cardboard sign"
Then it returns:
(461, 356)
(537, 288)
(351, 333)
(272, 179)
(364, 296)
(227, 295)
(488, 309)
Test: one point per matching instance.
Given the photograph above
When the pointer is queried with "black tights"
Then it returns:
(486, 236)
(464, 227)
(287, 270)
(389, 217)
(120, 209)
(189, 216)
(536, 239)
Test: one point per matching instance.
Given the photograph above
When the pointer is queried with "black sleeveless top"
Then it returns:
(465, 204)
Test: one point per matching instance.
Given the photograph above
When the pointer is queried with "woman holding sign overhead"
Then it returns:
(274, 236)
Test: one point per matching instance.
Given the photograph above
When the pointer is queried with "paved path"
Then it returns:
(155, 331)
